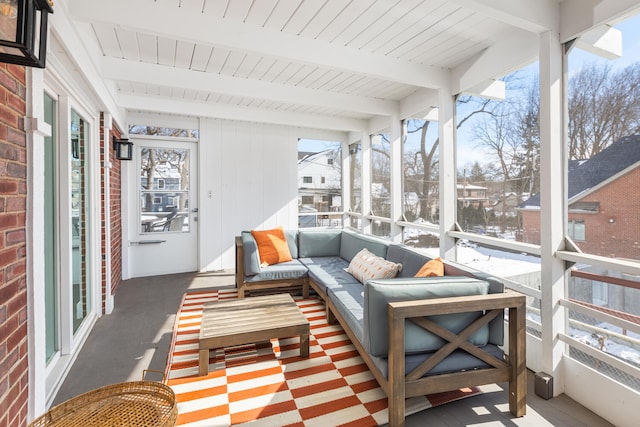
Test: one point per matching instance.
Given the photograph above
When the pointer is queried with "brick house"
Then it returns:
(604, 201)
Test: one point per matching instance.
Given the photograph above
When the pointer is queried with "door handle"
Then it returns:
(194, 210)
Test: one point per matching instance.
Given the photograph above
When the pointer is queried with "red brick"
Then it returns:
(16, 304)
(17, 137)
(18, 370)
(17, 170)
(8, 221)
(9, 151)
(17, 236)
(18, 71)
(16, 204)
(16, 103)
(8, 186)
(9, 83)
(8, 116)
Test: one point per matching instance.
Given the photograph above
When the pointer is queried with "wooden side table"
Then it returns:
(249, 320)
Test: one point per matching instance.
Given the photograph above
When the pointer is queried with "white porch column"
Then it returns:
(552, 203)
(36, 130)
(447, 177)
(365, 191)
(106, 135)
(396, 178)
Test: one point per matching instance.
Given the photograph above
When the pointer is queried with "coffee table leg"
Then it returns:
(203, 364)
(304, 345)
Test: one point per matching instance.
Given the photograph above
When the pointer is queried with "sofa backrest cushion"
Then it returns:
(410, 259)
(351, 243)
(378, 293)
(252, 257)
(318, 243)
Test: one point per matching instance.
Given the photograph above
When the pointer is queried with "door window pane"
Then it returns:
(164, 190)
(50, 244)
(79, 215)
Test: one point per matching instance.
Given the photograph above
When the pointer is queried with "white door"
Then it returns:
(164, 228)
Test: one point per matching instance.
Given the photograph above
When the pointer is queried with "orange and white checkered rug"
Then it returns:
(269, 384)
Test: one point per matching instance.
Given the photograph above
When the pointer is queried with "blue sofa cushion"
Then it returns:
(410, 259)
(324, 243)
(283, 271)
(348, 300)
(378, 293)
(252, 257)
(352, 243)
(329, 272)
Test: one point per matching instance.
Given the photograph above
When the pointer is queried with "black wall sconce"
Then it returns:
(124, 148)
(23, 31)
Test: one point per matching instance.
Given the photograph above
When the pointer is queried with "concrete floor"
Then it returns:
(137, 335)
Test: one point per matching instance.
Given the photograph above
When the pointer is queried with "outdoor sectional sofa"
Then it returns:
(417, 335)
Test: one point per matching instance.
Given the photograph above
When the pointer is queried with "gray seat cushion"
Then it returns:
(328, 272)
(252, 257)
(283, 271)
(349, 302)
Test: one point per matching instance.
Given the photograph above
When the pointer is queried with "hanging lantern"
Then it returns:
(23, 31)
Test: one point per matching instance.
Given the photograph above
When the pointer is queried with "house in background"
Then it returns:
(604, 201)
(319, 181)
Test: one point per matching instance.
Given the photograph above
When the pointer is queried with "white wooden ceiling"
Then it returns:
(332, 63)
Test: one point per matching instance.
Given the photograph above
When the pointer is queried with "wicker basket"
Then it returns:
(135, 403)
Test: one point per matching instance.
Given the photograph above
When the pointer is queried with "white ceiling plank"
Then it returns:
(302, 16)
(275, 70)
(214, 8)
(201, 55)
(237, 10)
(281, 13)
(148, 47)
(192, 5)
(301, 75)
(383, 26)
(217, 60)
(118, 69)
(107, 39)
(428, 28)
(261, 68)
(363, 21)
(288, 74)
(166, 51)
(325, 16)
(248, 65)
(260, 11)
(185, 25)
(531, 15)
(341, 22)
(232, 63)
(128, 44)
(324, 79)
(184, 54)
(313, 76)
(403, 29)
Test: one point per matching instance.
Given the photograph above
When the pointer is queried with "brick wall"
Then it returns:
(113, 205)
(613, 231)
(13, 290)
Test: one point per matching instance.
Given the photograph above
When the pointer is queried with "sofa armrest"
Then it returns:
(239, 261)
(492, 304)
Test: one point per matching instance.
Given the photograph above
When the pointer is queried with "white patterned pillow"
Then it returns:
(365, 266)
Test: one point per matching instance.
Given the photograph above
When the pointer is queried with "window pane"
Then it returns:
(50, 241)
(355, 161)
(319, 183)
(164, 190)
(420, 157)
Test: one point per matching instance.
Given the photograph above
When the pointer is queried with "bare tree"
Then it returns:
(603, 107)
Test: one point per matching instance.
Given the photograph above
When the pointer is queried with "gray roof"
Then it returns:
(586, 174)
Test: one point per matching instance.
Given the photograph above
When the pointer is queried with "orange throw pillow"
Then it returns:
(432, 268)
(272, 246)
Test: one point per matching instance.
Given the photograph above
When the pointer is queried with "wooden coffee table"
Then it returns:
(249, 320)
